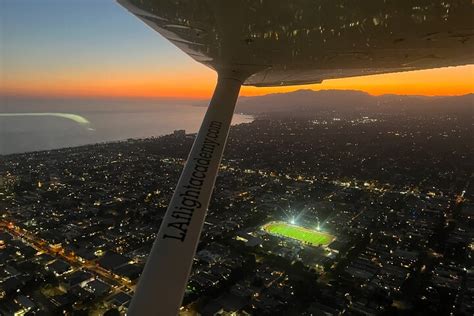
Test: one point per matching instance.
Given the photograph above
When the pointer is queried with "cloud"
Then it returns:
(73, 117)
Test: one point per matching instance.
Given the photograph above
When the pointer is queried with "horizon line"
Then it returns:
(202, 98)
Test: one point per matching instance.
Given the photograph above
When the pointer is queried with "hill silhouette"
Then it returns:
(303, 102)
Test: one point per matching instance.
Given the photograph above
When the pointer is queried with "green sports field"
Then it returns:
(299, 233)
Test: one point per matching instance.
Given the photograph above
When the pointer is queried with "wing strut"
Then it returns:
(161, 286)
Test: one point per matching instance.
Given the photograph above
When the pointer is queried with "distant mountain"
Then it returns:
(303, 102)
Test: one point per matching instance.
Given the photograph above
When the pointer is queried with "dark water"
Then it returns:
(23, 129)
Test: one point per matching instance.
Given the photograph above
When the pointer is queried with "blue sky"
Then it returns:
(97, 48)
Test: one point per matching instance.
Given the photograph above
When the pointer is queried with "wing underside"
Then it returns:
(285, 42)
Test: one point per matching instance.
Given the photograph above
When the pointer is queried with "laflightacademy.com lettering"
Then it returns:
(189, 193)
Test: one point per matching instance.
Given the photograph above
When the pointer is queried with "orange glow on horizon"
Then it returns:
(434, 82)
(200, 84)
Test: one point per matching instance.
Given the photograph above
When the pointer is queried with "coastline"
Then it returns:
(242, 119)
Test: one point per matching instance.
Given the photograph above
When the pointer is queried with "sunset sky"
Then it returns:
(95, 48)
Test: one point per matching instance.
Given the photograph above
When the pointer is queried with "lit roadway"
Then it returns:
(43, 246)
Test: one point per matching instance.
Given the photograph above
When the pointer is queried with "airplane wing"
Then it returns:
(269, 43)
(285, 42)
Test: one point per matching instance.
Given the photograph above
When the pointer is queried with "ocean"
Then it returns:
(27, 125)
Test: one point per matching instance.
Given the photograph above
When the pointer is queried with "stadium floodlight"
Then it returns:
(318, 228)
(293, 221)
(272, 43)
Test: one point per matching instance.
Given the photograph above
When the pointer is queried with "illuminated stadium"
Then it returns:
(302, 234)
